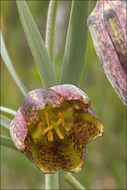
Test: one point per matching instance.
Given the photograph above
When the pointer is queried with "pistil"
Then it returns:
(53, 126)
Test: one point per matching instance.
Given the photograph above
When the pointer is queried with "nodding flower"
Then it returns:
(53, 127)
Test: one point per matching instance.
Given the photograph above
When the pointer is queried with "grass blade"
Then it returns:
(92, 4)
(10, 67)
(6, 141)
(37, 45)
(76, 44)
(5, 122)
(50, 28)
(73, 181)
(7, 110)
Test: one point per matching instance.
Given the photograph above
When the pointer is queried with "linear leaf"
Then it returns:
(5, 122)
(88, 50)
(73, 181)
(7, 110)
(76, 43)
(6, 141)
(50, 28)
(37, 45)
(10, 67)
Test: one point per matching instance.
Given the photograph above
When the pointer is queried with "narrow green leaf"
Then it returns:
(10, 67)
(37, 45)
(50, 28)
(7, 110)
(6, 141)
(88, 49)
(5, 122)
(92, 5)
(73, 181)
(76, 44)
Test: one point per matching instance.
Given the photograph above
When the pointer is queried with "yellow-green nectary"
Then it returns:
(107, 25)
(54, 126)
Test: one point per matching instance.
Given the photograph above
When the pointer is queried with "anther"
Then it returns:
(41, 127)
(60, 115)
(50, 136)
(67, 127)
(52, 126)
(47, 118)
(59, 132)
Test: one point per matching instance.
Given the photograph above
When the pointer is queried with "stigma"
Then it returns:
(47, 126)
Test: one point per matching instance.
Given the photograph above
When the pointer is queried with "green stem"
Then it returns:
(74, 181)
(50, 27)
(51, 181)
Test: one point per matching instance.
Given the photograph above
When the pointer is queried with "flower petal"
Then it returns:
(71, 92)
(37, 99)
(18, 130)
(104, 46)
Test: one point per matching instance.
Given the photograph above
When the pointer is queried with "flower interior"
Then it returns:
(60, 137)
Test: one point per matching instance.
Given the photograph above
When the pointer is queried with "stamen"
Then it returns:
(49, 128)
(59, 132)
(60, 115)
(67, 127)
(59, 121)
(50, 136)
(52, 126)
(41, 127)
(47, 118)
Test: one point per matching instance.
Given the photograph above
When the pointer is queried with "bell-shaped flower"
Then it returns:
(53, 127)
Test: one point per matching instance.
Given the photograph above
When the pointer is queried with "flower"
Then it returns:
(107, 25)
(54, 126)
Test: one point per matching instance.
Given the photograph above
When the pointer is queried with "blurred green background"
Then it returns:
(105, 164)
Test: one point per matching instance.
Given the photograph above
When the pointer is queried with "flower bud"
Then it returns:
(107, 25)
